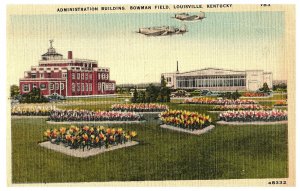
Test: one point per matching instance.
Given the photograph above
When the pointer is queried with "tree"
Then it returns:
(163, 82)
(14, 91)
(265, 88)
(236, 95)
(151, 93)
(280, 87)
(141, 97)
(164, 93)
(135, 96)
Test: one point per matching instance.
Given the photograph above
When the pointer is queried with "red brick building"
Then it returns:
(67, 77)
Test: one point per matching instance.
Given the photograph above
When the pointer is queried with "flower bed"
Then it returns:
(84, 115)
(281, 103)
(254, 94)
(252, 116)
(242, 107)
(218, 101)
(88, 137)
(185, 119)
(139, 107)
(32, 109)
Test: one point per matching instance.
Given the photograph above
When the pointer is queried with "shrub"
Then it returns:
(34, 96)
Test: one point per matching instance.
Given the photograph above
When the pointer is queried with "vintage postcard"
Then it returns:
(151, 95)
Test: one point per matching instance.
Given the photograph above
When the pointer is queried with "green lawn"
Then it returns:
(224, 153)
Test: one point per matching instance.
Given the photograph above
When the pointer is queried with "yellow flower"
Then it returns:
(101, 128)
(85, 136)
(47, 133)
(92, 130)
(72, 127)
(120, 130)
(133, 133)
(62, 130)
(86, 128)
(113, 131)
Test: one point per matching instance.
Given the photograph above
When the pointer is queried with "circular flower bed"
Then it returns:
(88, 137)
(148, 107)
(218, 101)
(185, 119)
(240, 107)
(252, 116)
(32, 110)
(84, 115)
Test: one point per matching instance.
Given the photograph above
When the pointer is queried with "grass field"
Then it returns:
(226, 152)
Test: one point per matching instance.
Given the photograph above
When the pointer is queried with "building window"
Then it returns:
(86, 87)
(64, 75)
(25, 88)
(73, 76)
(33, 75)
(73, 87)
(86, 76)
(102, 76)
(82, 87)
(78, 76)
(78, 87)
(51, 86)
(109, 86)
(90, 86)
(56, 86)
(41, 75)
(82, 76)
(42, 86)
(112, 86)
(62, 86)
(99, 77)
(91, 76)
(99, 86)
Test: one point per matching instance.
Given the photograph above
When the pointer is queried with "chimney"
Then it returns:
(70, 55)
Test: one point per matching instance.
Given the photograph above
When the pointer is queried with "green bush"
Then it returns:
(34, 96)
(231, 95)
(152, 94)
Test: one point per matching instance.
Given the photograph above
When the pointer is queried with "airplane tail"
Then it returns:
(184, 28)
(201, 15)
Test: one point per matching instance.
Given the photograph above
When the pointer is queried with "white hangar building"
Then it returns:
(215, 79)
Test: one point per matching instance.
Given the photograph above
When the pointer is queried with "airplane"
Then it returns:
(187, 17)
(162, 30)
